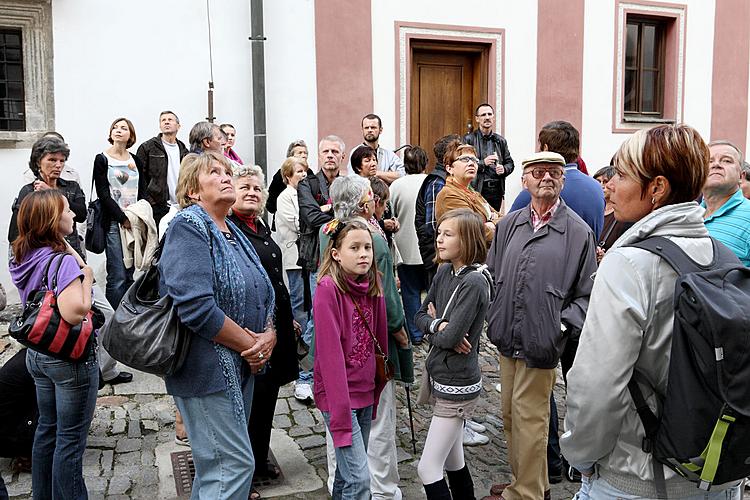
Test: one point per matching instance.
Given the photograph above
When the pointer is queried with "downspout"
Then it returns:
(259, 84)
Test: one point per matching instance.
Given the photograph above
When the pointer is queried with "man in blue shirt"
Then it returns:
(727, 216)
(581, 193)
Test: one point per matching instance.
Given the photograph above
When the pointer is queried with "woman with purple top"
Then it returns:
(65, 391)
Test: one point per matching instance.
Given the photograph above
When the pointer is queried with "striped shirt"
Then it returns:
(730, 224)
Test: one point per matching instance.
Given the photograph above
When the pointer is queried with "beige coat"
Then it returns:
(139, 243)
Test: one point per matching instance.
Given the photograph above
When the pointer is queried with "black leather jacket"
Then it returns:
(488, 182)
(155, 164)
(312, 193)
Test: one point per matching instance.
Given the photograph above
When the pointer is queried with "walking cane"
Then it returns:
(411, 417)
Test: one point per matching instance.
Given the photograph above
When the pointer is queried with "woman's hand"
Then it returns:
(401, 338)
(126, 224)
(259, 354)
(40, 185)
(490, 226)
(75, 255)
(431, 310)
(297, 328)
(391, 225)
(325, 208)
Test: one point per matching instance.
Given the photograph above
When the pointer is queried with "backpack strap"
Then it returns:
(679, 260)
(650, 425)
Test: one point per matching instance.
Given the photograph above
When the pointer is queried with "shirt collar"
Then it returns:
(571, 166)
(733, 201)
(538, 221)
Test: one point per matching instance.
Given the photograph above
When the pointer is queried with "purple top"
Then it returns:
(27, 276)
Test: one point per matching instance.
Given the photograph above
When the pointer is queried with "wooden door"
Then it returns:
(447, 82)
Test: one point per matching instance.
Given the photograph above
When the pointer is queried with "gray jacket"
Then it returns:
(455, 376)
(629, 329)
(542, 279)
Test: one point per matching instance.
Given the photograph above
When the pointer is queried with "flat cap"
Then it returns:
(544, 157)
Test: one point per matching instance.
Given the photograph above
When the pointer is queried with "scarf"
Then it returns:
(229, 292)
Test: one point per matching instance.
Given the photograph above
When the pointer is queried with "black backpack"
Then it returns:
(703, 431)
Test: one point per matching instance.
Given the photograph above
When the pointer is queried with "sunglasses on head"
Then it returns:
(539, 172)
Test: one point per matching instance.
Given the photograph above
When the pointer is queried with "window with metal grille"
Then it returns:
(644, 68)
(12, 99)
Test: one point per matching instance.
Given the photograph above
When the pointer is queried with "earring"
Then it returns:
(653, 200)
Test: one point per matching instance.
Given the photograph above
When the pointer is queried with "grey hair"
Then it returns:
(746, 169)
(332, 138)
(295, 144)
(723, 142)
(200, 131)
(240, 171)
(46, 145)
(346, 194)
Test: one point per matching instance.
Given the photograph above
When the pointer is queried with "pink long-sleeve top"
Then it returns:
(344, 369)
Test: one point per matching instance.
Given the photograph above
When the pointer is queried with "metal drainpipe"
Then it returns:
(259, 84)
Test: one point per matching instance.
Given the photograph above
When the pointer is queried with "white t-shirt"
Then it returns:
(173, 169)
(123, 180)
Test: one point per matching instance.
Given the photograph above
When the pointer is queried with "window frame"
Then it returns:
(34, 19)
(659, 68)
(5, 32)
(673, 17)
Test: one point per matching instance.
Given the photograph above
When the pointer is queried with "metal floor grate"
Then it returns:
(184, 473)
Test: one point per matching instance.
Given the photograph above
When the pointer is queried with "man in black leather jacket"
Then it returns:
(495, 162)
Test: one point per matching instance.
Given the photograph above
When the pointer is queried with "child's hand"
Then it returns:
(431, 310)
(463, 347)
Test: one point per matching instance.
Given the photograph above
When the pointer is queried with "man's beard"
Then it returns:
(371, 137)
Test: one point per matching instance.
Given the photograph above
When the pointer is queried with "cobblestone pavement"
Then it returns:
(132, 424)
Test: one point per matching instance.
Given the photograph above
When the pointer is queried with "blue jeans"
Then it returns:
(3, 489)
(118, 277)
(352, 481)
(305, 376)
(66, 395)
(602, 490)
(413, 281)
(222, 454)
(297, 294)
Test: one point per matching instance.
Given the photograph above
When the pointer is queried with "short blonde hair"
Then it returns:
(287, 168)
(676, 152)
(240, 171)
(191, 167)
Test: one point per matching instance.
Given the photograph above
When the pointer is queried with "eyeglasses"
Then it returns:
(468, 159)
(539, 172)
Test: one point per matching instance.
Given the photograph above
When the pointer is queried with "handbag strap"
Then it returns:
(45, 273)
(364, 320)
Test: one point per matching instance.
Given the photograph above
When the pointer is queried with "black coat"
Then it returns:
(283, 366)
(18, 409)
(155, 164)
(425, 231)
(488, 182)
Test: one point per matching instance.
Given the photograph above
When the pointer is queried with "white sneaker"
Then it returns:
(471, 438)
(303, 392)
(475, 426)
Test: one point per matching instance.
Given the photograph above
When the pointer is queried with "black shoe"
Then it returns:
(122, 378)
(555, 478)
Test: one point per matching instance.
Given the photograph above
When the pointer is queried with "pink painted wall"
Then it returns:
(559, 69)
(343, 51)
(730, 71)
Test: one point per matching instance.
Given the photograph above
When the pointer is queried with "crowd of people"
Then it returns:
(360, 262)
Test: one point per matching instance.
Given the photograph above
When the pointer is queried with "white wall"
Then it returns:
(291, 89)
(136, 59)
(519, 20)
(599, 143)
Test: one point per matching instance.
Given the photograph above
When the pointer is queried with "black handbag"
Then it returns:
(41, 327)
(96, 233)
(145, 332)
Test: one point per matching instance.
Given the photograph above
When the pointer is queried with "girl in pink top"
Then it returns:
(349, 315)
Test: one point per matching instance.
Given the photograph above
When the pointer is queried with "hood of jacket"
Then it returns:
(682, 220)
(21, 272)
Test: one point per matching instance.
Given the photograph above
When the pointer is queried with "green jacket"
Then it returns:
(402, 358)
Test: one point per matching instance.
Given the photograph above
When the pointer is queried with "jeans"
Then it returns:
(222, 454)
(297, 294)
(3, 489)
(107, 364)
(66, 395)
(352, 480)
(413, 281)
(602, 490)
(554, 460)
(118, 277)
(306, 376)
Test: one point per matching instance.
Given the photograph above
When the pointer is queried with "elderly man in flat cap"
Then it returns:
(542, 258)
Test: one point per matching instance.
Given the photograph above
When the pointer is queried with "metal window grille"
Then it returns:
(12, 97)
